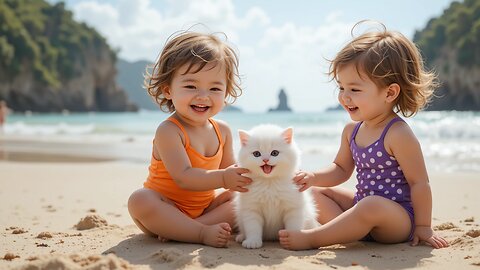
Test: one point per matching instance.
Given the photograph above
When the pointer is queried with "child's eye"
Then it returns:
(341, 88)
(274, 153)
(190, 86)
(215, 89)
(355, 90)
(257, 154)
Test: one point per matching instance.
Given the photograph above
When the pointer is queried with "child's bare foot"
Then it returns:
(216, 235)
(295, 240)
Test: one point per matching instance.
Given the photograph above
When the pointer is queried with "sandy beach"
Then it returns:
(73, 215)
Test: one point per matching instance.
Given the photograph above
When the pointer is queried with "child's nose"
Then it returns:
(345, 96)
(203, 94)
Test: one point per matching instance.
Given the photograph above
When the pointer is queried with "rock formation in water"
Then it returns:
(282, 103)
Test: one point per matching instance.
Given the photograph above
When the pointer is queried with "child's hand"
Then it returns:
(233, 179)
(303, 180)
(425, 233)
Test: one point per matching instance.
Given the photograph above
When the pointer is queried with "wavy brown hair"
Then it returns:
(388, 57)
(195, 50)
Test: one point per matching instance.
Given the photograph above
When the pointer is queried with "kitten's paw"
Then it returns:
(252, 243)
(240, 237)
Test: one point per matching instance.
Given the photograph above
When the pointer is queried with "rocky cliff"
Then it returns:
(459, 89)
(451, 46)
(50, 63)
(130, 77)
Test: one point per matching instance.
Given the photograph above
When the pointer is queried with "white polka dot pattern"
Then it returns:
(378, 173)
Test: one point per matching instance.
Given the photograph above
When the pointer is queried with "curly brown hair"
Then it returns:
(195, 50)
(388, 57)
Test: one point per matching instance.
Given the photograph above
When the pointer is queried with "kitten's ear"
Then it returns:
(287, 135)
(243, 137)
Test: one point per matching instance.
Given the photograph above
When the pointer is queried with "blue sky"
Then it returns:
(281, 44)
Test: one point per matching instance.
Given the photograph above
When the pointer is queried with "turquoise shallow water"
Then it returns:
(450, 140)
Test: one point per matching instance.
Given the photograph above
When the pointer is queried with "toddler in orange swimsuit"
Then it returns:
(192, 153)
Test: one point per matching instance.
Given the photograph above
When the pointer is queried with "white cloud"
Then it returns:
(289, 55)
(254, 17)
(96, 14)
(293, 57)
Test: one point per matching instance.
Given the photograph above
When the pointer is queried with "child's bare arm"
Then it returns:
(228, 155)
(338, 172)
(169, 147)
(405, 147)
(402, 143)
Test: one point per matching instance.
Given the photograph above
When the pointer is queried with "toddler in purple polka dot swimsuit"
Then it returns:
(380, 74)
(378, 173)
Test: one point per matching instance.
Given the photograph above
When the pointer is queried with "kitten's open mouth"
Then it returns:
(267, 168)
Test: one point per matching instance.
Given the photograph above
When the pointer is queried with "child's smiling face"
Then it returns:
(198, 96)
(359, 95)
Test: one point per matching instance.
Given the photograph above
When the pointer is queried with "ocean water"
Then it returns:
(450, 140)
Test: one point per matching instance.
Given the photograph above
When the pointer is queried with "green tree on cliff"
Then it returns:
(44, 36)
(451, 46)
(458, 29)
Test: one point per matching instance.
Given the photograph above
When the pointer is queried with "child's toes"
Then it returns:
(282, 234)
(226, 227)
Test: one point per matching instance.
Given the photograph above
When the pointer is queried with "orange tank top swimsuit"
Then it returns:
(192, 203)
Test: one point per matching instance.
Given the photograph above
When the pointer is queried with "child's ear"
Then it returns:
(166, 92)
(393, 91)
(243, 137)
(287, 135)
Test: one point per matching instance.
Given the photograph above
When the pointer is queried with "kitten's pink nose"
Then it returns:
(266, 160)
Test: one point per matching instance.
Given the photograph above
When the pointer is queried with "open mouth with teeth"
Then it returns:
(351, 108)
(267, 169)
(200, 108)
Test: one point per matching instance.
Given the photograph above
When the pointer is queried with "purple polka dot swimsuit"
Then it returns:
(379, 173)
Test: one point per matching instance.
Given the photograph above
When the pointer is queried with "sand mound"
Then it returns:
(44, 235)
(19, 231)
(90, 222)
(470, 219)
(445, 226)
(10, 256)
(77, 261)
(473, 233)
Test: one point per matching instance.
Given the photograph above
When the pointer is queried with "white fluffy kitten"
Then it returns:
(273, 201)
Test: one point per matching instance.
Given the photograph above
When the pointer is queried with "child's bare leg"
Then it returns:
(387, 221)
(331, 202)
(220, 210)
(149, 233)
(158, 217)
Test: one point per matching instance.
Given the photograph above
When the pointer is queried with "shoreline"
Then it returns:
(138, 150)
(33, 149)
(12, 156)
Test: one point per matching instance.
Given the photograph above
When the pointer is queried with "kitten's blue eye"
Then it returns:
(256, 154)
(274, 153)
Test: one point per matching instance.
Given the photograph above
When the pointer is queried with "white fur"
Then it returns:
(273, 201)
